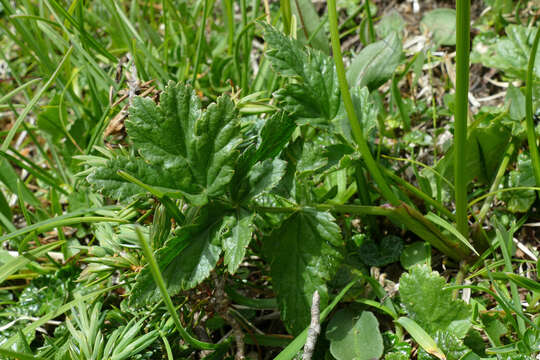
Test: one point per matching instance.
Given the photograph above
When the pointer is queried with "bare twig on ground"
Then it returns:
(314, 328)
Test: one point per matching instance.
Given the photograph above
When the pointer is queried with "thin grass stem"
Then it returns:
(158, 278)
(199, 42)
(531, 134)
(461, 112)
(24, 113)
(349, 107)
(371, 29)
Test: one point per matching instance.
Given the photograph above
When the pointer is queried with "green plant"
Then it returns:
(259, 169)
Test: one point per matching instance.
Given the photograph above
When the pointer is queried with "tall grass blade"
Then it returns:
(35, 99)
(447, 226)
(158, 278)
(461, 112)
(421, 337)
(349, 107)
(531, 134)
(17, 263)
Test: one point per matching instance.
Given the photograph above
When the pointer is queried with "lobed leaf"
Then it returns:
(315, 96)
(431, 305)
(186, 151)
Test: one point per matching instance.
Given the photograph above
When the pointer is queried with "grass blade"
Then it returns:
(531, 134)
(35, 99)
(421, 337)
(521, 281)
(351, 113)
(18, 355)
(51, 223)
(463, 9)
(158, 278)
(17, 263)
(446, 225)
(14, 92)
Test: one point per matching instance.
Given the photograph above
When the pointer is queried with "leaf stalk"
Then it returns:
(349, 107)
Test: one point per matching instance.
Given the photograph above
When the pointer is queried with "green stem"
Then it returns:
(371, 29)
(349, 107)
(199, 42)
(230, 25)
(396, 95)
(461, 112)
(350, 209)
(158, 278)
(463, 269)
(531, 135)
(243, 8)
(420, 194)
(285, 7)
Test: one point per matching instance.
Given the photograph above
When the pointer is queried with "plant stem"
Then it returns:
(230, 25)
(461, 112)
(285, 7)
(371, 29)
(531, 135)
(199, 42)
(419, 194)
(243, 80)
(349, 107)
(158, 278)
(351, 209)
(396, 95)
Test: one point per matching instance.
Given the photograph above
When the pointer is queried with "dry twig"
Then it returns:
(314, 327)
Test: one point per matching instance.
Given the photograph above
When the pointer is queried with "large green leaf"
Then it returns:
(430, 305)
(184, 150)
(315, 94)
(186, 259)
(257, 169)
(355, 338)
(304, 254)
(375, 63)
